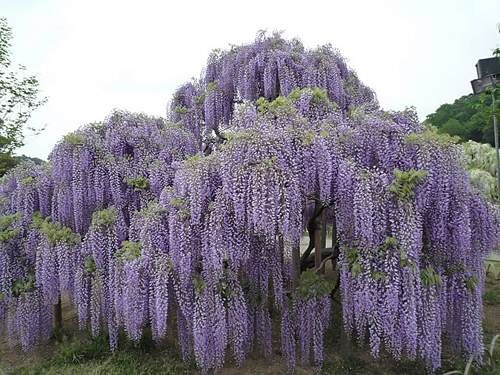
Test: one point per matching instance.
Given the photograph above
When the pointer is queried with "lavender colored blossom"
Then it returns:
(143, 221)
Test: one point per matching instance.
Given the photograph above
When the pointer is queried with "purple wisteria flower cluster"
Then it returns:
(191, 225)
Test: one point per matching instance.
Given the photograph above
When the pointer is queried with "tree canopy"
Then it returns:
(19, 97)
(137, 219)
(469, 117)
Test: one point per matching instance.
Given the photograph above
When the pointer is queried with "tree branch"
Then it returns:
(219, 134)
(322, 265)
(310, 230)
(336, 287)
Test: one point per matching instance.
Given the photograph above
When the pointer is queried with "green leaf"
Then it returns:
(89, 265)
(429, 277)
(405, 182)
(471, 282)
(389, 243)
(313, 285)
(104, 218)
(130, 250)
(138, 183)
(56, 233)
(199, 285)
(74, 139)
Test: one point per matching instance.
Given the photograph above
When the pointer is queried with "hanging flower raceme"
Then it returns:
(131, 289)
(187, 107)
(209, 325)
(200, 220)
(312, 309)
(87, 294)
(99, 263)
(268, 68)
(149, 230)
(161, 293)
(77, 176)
(11, 264)
(56, 255)
(27, 189)
(29, 319)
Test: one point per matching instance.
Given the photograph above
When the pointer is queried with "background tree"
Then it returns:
(468, 117)
(19, 97)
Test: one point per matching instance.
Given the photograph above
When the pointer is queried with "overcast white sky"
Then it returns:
(92, 56)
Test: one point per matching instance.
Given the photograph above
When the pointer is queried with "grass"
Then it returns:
(80, 354)
(85, 355)
(492, 294)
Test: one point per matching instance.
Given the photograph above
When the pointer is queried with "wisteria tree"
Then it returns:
(193, 225)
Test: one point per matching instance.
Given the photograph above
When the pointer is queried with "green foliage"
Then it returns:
(138, 183)
(319, 96)
(224, 290)
(80, 354)
(471, 282)
(89, 265)
(130, 250)
(356, 269)
(430, 277)
(28, 180)
(492, 295)
(469, 118)
(18, 99)
(389, 242)
(430, 135)
(74, 139)
(352, 257)
(7, 161)
(55, 233)
(308, 137)
(181, 110)
(26, 159)
(79, 351)
(177, 202)
(405, 182)
(104, 218)
(313, 285)
(199, 99)
(181, 205)
(489, 366)
(404, 261)
(6, 231)
(211, 86)
(7, 235)
(245, 135)
(266, 163)
(199, 285)
(280, 104)
(21, 286)
(152, 210)
(295, 94)
(194, 161)
(378, 276)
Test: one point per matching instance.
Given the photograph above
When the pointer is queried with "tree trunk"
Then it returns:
(318, 229)
(58, 317)
(296, 265)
